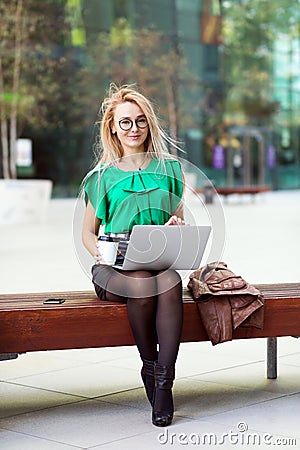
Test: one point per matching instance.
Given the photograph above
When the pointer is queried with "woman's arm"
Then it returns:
(90, 231)
(177, 217)
(179, 211)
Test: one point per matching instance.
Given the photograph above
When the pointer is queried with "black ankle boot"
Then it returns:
(147, 374)
(163, 407)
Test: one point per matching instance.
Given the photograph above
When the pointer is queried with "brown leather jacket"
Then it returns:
(225, 301)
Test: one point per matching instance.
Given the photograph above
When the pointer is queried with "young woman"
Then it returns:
(136, 181)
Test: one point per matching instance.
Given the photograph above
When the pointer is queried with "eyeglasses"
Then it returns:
(127, 124)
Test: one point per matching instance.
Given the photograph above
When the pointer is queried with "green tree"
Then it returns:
(10, 68)
(141, 57)
(251, 27)
(35, 72)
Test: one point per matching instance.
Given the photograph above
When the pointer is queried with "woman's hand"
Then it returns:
(90, 230)
(97, 256)
(175, 220)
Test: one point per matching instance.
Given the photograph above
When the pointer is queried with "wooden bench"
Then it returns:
(229, 190)
(241, 190)
(83, 321)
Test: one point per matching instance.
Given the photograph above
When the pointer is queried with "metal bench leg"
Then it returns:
(272, 358)
(7, 356)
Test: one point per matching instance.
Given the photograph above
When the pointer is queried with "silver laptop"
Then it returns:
(160, 247)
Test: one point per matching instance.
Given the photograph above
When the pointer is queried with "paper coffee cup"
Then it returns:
(108, 248)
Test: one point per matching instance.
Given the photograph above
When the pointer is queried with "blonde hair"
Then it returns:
(108, 147)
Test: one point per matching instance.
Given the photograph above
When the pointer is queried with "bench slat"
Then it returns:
(240, 190)
(88, 298)
(83, 321)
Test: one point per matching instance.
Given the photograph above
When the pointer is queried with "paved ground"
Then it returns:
(93, 399)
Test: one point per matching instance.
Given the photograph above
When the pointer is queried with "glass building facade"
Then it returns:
(224, 76)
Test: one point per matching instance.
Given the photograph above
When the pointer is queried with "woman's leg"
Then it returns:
(139, 289)
(155, 311)
(169, 317)
(154, 302)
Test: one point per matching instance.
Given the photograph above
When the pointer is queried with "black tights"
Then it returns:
(155, 310)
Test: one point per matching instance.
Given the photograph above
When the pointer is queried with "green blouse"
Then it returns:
(144, 197)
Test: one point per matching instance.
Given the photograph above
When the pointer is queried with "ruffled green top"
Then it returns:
(143, 197)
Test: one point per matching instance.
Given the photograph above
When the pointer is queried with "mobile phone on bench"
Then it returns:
(54, 301)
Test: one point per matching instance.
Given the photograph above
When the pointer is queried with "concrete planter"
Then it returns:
(24, 201)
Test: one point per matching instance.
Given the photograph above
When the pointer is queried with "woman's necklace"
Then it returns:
(140, 166)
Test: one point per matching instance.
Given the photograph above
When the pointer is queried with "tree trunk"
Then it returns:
(15, 90)
(4, 144)
(4, 131)
(172, 112)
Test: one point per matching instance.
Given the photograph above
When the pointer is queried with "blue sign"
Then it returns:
(271, 157)
(218, 157)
